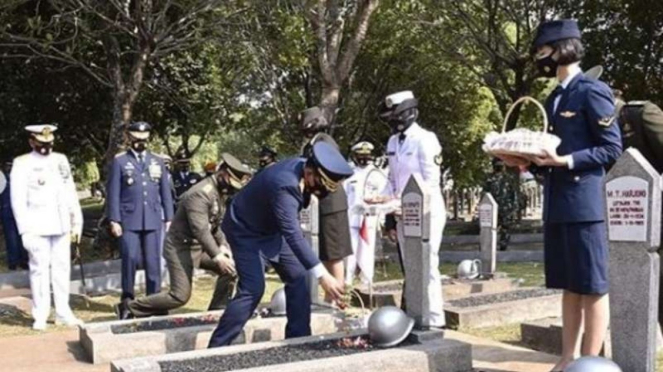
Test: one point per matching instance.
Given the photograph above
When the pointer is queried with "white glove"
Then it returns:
(28, 241)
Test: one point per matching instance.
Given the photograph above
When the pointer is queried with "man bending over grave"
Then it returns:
(262, 222)
(195, 240)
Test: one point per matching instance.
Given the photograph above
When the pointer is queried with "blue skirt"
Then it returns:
(576, 257)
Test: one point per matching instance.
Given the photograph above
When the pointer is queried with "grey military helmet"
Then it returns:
(593, 364)
(277, 304)
(389, 326)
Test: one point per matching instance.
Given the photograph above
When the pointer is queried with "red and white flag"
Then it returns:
(366, 248)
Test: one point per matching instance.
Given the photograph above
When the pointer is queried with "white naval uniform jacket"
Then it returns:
(416, 155)
(364, 182)
(43, 196)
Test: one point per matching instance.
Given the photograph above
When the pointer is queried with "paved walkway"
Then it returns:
(60, 351)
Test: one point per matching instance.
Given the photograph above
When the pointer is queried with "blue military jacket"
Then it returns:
(5, 201)
(585, 122)
(183, 182)
(139, 195)
(266, 211)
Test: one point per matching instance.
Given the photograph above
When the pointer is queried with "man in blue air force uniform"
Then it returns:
(260, 220)
(139, 199)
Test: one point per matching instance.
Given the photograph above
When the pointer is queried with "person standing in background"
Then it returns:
(139, 201)
(366, 181)
(183, 177)
(17, 257)
(335, 242)
(414, 150)
(48, 217)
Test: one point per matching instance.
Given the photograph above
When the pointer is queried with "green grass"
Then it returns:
(531, 273)
(15, 322)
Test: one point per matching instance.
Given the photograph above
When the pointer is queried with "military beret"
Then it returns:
(552, 31)
(140, 130)
(42, 132)
(239, 173)
(313, 119)
(331, 165)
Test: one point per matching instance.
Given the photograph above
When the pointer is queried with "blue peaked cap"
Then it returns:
(330, 160)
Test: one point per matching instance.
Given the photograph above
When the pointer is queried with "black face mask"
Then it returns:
(44, 148)
(224, 187)
(547, 66)
(139, 145)
(400, 123)
(363, 162)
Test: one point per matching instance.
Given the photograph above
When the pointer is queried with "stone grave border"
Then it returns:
(436, 355)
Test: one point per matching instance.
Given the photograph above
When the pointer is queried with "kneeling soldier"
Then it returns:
(195, 240)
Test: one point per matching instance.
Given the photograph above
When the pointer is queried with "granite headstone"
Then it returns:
(633, 215)
(488, 235)
(415, 219)
(308, 218)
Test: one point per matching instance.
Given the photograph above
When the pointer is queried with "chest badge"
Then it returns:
(130, 181)
(567, 114)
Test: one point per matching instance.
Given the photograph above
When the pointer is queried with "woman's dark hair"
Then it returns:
(570, 51)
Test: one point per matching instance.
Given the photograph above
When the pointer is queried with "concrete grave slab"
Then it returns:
(389, 293)
(546, 335)
(489, 310)
(103, 342)
(435, 355)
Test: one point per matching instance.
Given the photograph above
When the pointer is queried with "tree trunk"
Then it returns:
(122, 111)
(329, 102)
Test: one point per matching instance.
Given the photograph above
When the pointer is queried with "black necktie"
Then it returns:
(558, 91)
(401, 138)
(140, 159)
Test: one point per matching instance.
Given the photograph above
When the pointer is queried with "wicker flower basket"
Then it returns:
(521, 143)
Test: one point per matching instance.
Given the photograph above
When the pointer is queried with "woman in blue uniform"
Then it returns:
(581, 112)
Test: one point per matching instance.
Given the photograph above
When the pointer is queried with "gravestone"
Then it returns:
(633, 209)
(415, 204)
(309, 220)
(488, 235)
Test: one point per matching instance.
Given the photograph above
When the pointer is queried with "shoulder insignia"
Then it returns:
(567, 114)
(438, 159)
(208, 188)
(20, 157)
(607, 121)
(120, 154)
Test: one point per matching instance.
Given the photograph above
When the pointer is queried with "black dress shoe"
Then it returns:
(12, 267)
(122, 311)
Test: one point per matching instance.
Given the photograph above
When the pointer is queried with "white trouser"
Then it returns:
(50, 261)
(438, 221)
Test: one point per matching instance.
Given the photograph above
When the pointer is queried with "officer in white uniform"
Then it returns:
(48, 217)
(414, 150)
(367, 181)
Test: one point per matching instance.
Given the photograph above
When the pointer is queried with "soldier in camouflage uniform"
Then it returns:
(195, 240)
(503, 186)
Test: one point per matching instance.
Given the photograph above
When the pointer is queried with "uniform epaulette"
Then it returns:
(636, 103)
(120, 154)
(208, 188)
(21, 157)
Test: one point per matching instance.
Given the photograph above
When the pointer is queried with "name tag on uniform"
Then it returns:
(155, 171)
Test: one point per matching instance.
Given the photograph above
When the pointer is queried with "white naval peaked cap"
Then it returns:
(398, 98)
(42, 132)
(363, 147)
